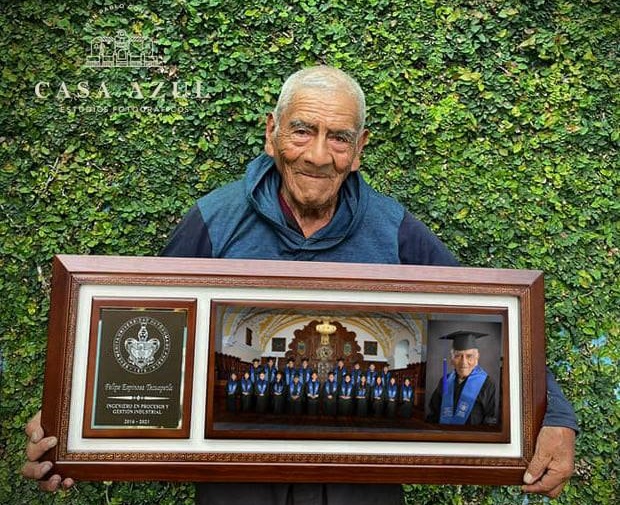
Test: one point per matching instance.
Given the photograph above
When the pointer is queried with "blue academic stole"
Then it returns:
(304, 374)
(469, 393)
(254, 374)
(407, 392)
(294, 389)
(261, 385)
(392, 391)
(355, 376)
(346, 389)
(378, 392)
(289, 373)
(232, 387)
(361, 392)
(313, 387)
(371, 377)
(246, 385)
(330, 387)
(278, 387)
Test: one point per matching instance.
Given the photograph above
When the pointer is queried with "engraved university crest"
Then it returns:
(141, 345)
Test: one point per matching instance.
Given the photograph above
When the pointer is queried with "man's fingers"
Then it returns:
(35, 470)
(51, 484)
(34, 452)
(544, 487)
(537, 466)
(33, 428)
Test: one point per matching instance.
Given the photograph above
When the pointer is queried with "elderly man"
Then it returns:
(467, 395)
(304, 199)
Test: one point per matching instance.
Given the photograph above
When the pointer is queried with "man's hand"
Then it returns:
(553, 461)
(37, 446)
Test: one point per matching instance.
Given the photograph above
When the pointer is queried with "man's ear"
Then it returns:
(357, 161)
(269, 134)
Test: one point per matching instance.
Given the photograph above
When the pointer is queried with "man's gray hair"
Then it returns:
(325, 78)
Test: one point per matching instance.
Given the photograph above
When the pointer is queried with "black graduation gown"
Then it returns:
(294, 398)
(278, 394)
(232, 393)
(247, 395)
(330, 393)
(483, 411)
(313, 397)
(377, 398)
(391, 400)
(261, 394)
(345, 399)
(406, 398)
(361, 400)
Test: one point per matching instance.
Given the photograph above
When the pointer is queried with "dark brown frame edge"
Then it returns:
(455, 435)
(189, 305)
(69, 272)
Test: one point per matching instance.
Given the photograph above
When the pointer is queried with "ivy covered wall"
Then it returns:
(495, 122)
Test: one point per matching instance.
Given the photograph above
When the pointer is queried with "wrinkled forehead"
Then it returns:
(336, 110)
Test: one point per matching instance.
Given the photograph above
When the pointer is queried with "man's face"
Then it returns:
(465, 361)
(315, 147)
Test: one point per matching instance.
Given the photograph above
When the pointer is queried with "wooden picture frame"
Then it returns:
(356, 299)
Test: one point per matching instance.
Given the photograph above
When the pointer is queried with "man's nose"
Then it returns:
(318, 152)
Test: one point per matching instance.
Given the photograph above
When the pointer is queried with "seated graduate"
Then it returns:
(345, 396)
(261, 393)
(232, 392)
(278, 393)
(362, 392)
(247, 393)
(313, 395)
(391, 397)
(294, 396)
(330, 392)
(406, 399)
(466, 396)
(377, 396)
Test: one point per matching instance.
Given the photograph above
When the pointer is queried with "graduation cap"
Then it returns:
(464, 339)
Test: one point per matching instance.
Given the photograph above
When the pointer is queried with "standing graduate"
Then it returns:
(386, 375)
(289, 371)
(278, 393)
(294, 396)
(356, 373)
(362, 392)
(391, 398)
(270, 370)
(305, 372)
(377, 396)
(406, 399)
(232, 392)
(371, 375)
(313, 395)
(247, 393)
(255, 369)
(330, 392)
(261, 393)
(345, 396)
(340, 371)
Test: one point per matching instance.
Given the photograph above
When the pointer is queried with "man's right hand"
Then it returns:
(37, 446)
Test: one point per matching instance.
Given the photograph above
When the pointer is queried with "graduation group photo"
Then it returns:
(410, 373)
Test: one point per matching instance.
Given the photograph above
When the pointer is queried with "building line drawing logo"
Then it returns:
(122, 50)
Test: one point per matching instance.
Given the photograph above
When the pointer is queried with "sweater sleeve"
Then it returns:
(559, 411)
(417, 245)
(190, 239)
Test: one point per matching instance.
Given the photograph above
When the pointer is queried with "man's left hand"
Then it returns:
(553, 461)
